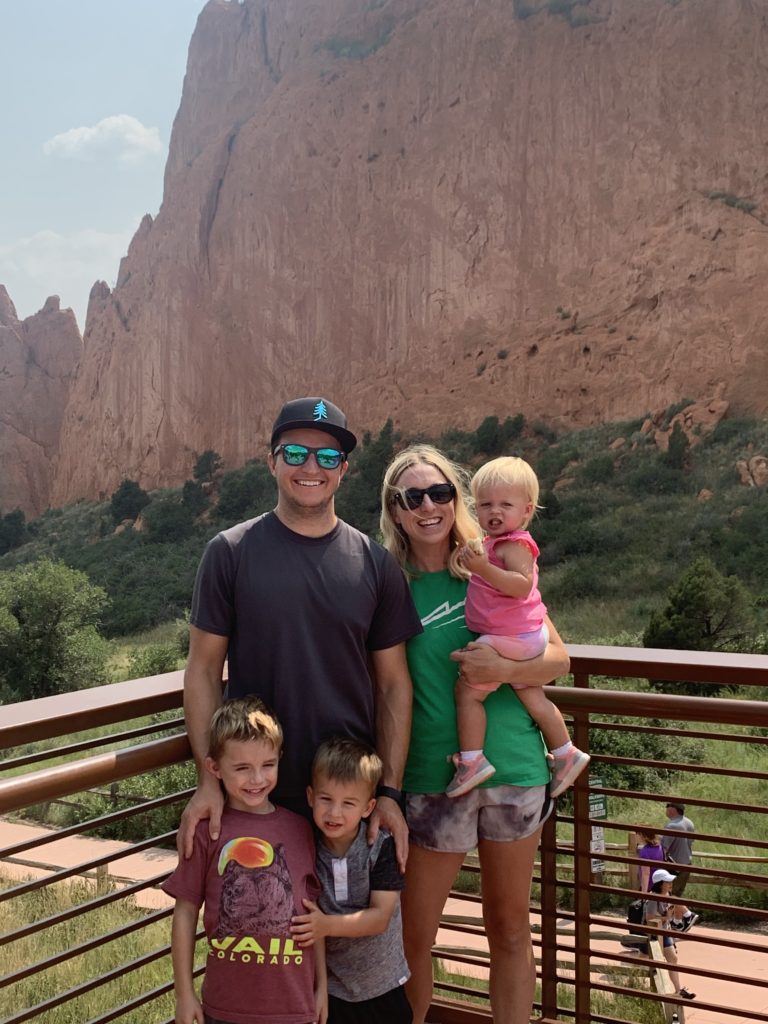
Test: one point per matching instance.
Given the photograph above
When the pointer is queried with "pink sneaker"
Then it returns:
(566, 769)
(468, 775)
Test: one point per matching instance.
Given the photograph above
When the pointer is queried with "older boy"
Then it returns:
(359, 906)
(252, 880)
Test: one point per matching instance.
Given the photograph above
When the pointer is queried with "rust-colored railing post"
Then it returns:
(548, 878)
(582, 836)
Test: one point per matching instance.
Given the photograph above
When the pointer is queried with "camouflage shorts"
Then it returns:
(499, 813)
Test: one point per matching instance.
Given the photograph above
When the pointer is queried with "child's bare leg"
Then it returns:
(568, 762)
(472, 767)
(470, 715)
(546, 715)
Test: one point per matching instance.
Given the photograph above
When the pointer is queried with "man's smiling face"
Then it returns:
(307, 488)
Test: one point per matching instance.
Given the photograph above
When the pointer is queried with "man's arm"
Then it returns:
(394, 699)
(202, 696)
(479, 663)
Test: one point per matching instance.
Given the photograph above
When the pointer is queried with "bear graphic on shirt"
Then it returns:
(257, 891)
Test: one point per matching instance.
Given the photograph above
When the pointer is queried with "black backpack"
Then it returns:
(635, 915)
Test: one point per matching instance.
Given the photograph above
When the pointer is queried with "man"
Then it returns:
(312, 616)
(678, 849)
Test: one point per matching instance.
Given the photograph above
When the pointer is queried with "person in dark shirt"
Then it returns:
(312, 616)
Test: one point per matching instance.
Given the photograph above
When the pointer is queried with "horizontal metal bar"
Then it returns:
(90, 744)
(655, 663)
(75, 776)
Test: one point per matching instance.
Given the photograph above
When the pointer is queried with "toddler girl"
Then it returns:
(505, 606)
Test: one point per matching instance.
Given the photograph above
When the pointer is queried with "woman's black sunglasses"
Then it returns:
(297, 455)
(438, 494)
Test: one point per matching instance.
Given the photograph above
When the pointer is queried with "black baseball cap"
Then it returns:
(317, 413)
(680, 808)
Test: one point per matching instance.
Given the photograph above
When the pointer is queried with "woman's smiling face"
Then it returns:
(429, 526)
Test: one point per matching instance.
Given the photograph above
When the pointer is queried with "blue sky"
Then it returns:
(90, 89)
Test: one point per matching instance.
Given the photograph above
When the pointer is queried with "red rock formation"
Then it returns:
(38, 357)
(388, 201)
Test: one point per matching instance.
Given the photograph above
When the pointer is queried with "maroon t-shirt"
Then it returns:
(252, 880)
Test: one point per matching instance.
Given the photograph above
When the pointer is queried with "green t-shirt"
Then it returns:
(513, 742)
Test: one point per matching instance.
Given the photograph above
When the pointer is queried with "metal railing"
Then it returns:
(85, 931)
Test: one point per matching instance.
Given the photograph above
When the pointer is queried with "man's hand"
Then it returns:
(306, 929)
(387, 814)
(207, 802)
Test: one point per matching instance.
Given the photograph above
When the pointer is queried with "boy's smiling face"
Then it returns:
(337, 808)
(248, 770)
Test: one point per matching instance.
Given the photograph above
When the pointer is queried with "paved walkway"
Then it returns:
(76, 850)
(706, 955)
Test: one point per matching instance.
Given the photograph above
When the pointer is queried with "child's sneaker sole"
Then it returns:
(472, 782)
(580, 762)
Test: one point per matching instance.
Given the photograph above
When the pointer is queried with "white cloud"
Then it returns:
(121, 136)
(49, 263)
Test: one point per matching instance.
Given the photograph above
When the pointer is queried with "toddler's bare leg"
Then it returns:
(546, 715)
(470, 715)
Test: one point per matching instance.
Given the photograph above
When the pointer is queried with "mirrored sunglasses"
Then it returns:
(297, 455)
(438, 494)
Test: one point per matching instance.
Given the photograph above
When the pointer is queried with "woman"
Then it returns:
(649, 849)
(425, 521)
(659, 914)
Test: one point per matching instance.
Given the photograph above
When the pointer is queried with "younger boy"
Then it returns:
(359, 905)
(252, 879)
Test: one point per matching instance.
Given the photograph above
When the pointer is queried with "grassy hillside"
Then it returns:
(619, 524)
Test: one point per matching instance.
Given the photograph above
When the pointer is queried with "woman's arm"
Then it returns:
(479, 663)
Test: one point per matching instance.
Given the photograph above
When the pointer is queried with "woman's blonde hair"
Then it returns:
(508, 471)
(465, 526)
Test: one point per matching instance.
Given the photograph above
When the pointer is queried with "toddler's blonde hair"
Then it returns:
(508, 471)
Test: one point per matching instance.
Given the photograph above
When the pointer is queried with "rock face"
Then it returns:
(437, 210)
(38, 357)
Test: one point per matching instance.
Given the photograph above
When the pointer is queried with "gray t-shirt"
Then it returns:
(302, 614)
(679, 848)
(369, 966)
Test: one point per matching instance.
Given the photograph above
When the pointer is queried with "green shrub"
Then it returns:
(676, 455)
(49, 638)
(359, 49)
(153, 660)
(657, 477)
(194, 497)
(207, 466)
(598, 470)
(246, 492)
(13, 530)
(705, 611)
(127, 501)
(738, 202)
(168, 520)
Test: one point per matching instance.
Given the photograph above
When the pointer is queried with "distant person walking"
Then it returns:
(651, 851)
(679, 849)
